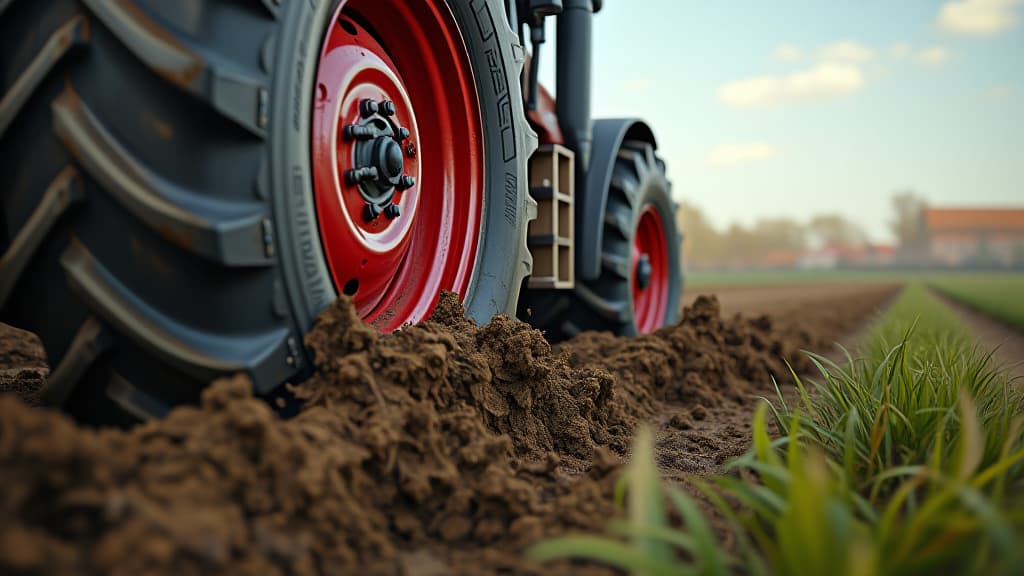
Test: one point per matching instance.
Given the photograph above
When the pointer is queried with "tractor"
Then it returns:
(189, 184)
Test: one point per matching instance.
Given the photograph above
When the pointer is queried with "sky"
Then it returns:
(798, 107)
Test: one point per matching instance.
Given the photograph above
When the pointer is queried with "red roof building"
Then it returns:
(974, 237)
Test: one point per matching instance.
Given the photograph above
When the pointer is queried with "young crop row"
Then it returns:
(998, 295)
(908, 459)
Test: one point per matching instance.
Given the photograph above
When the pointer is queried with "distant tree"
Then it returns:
(834, 229)
(741, 247)
(780, 234)
(703, 246)
(906, 224)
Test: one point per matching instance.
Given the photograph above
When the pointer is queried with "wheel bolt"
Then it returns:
(354, 132)
(367, 108)
(371, 211)
(387, 108)
(357, 175)
(392, 211)
(403, 134)
(405, 182)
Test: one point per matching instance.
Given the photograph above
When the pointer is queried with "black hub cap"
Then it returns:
(643, 272)
(379, 159)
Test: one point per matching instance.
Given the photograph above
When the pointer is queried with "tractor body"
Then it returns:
(192, 184)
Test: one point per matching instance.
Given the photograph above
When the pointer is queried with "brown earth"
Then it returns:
(22, 364)
(442, 448)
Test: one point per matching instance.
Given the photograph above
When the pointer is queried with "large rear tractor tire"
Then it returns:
(640, 282)
(187, 185)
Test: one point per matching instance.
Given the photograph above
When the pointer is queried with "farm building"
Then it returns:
(974, 237)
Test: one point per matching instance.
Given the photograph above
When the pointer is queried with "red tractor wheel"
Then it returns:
(651, 277)
(192, 187)
(398, 158)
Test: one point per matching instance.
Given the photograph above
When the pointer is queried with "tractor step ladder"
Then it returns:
(550, 236)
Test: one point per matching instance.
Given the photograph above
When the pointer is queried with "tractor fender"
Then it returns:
(592, 198)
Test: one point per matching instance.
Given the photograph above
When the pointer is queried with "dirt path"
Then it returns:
(444, 448)
(992, 334)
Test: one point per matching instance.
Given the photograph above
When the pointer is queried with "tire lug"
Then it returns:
(387, 108)
(355, 132)
(392, 211)
(367, 108)
(371, 211)
(405, 182)
(403, 134)
(356, 175)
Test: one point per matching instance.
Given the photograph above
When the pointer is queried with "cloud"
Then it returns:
(847, 51)
(728, 155)
(934, 56)
(1000, 92)
(900, 50)
(978, 17)
(824, 81)
(787, 52)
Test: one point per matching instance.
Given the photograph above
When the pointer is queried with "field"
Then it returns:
(453, 448)
(998, 295)
(919, 441)
(699, 281)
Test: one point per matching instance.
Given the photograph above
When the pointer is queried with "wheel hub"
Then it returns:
(643, 271)
(378, 159)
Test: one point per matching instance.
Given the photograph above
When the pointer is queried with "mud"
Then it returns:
(22, 364)
(443, 448)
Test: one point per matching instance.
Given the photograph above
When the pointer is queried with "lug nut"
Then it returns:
(392, 211)
(367, 108)
(387, 108)
(403, 134)
(357, 175)
(405, 182)
(371, 211)
(354, 132)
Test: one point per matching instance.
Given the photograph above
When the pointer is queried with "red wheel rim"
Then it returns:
(650, 271)
(394, 264)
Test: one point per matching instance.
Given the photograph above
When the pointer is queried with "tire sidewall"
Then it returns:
(502, 257)
(306, 279)
(502, 260)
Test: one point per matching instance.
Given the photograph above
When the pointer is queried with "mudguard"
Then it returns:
(592, 198)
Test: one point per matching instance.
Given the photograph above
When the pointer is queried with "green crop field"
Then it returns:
(998, 295)
(908, 458)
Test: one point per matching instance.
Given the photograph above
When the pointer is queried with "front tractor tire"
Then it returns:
(169, 172)
(640, 278)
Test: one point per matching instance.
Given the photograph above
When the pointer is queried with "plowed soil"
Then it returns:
(442, 448)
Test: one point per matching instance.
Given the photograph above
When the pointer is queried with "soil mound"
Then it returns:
(442, 448)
